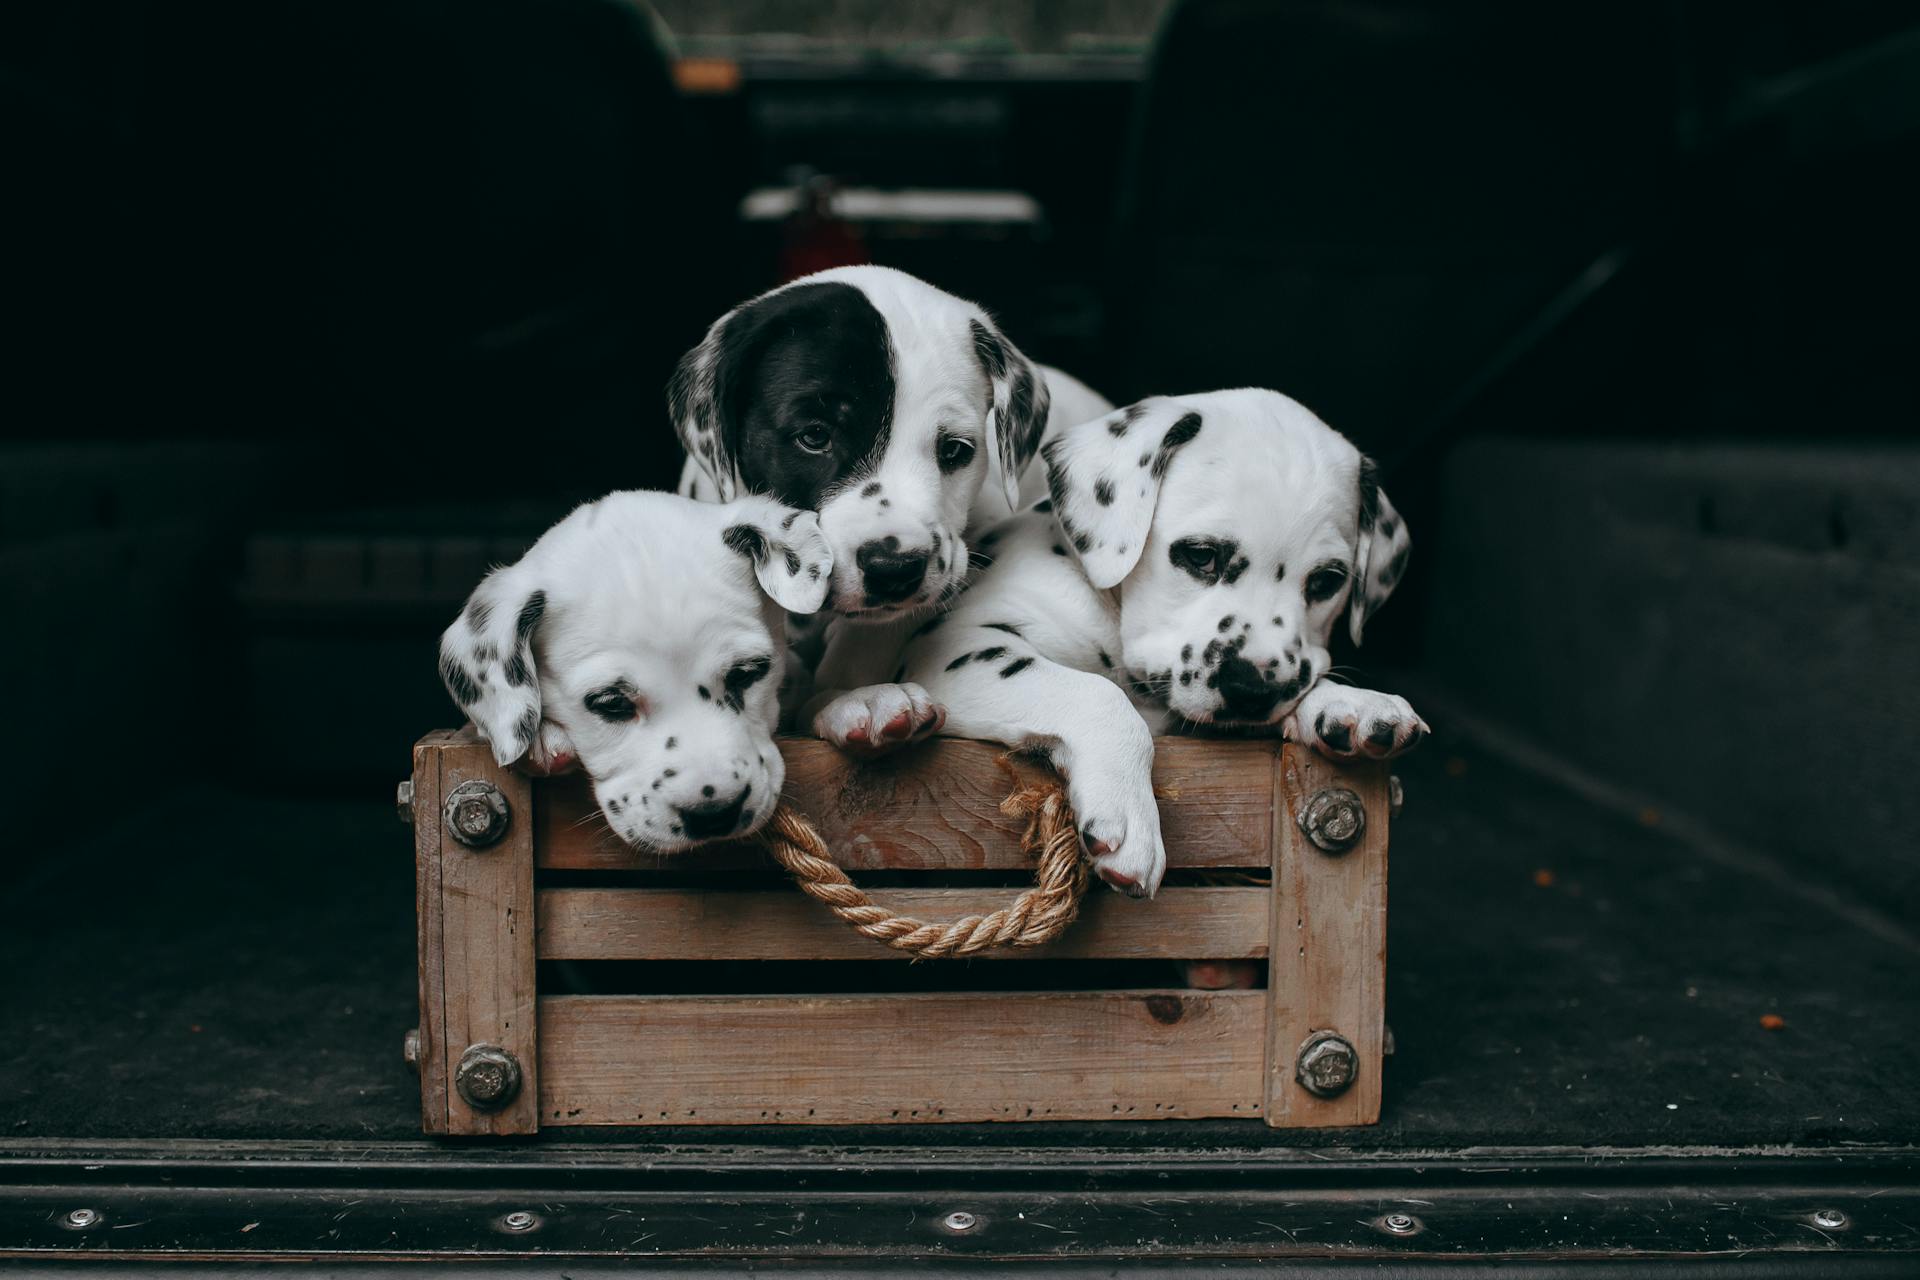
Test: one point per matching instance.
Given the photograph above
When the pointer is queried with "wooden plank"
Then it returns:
(1328, 968)
(432, 1062)
(936, 806)
(1107, 1055)
(486, 903)
(1186, 923)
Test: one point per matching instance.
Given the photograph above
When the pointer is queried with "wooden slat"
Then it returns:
(432, 1064)
(1328, 969)
(1131, 1055)
(486, 904)
(937, 806)
(1215, 923)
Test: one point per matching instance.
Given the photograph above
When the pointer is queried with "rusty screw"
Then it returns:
(477, 814)
(1333, 819)
(1327, 1064)
(488, 1077)
(1831, 1219)
(1400, 1224)
(81, 1219)
(519, 1220)
(403, 801)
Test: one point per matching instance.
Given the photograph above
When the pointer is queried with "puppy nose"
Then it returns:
(1247, 694)
(889, 573)
(715, 818)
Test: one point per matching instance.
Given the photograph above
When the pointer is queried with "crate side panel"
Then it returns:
(432, 1062)
(1131, 1055)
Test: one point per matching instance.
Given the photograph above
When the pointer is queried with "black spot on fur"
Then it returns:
(1186, 653)
(1235, 569)
(1103, 492)
(1043, 506)
(706, 695)
(1081, 542)
(530, 614)
(1380, 733)
(988, 655)
(672, 743)
(787, 521)
(1226, 622)
(960, 662)
(516, 669)
(793, 560)
(1333, 733)
(459, 683)
(479, 613)
(1105, 660)
(992, 352)
(746, 540)
(742, 676)
(1007, 627)
(669, 773)
(1059, 550)
(528, 726)
(1015, 667)
(871, 490)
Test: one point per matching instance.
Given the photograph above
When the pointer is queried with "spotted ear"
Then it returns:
(1018, 416)
(1380, 560)
(1105, 477)
(693, 402)
(788, 552)
(486, 660)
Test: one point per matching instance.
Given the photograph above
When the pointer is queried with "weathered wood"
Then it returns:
(1328, 968)
(1133, 1055)
(487, 944)
(432, 1062)
(936, 806)
(1218, 923)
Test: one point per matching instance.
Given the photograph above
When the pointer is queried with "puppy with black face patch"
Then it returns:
(643, 638)
(1188, 569)
(901, 415)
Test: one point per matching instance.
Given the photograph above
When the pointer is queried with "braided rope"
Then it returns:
(1038, 915)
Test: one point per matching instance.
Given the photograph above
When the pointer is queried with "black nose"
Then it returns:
(716, 818)
(1247, 694)
(889, 573)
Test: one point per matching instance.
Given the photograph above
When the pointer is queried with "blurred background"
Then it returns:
(312, 312)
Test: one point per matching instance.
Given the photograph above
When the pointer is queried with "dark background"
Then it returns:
(313, 311)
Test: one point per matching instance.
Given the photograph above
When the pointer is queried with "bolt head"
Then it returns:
(1831, 1219)
(488, 1077)
(1327, 1065)
(960, 1220)
(81, 1219)
(519, 1220)
(477, 814)
(1396, 795)
(403, 801)
(1400, 1224)
(1333, 818)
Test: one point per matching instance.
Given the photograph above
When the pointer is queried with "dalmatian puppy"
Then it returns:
(1187, 571)
(906, 419)
(642, 638)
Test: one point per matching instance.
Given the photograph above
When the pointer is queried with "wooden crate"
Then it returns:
(556, 886)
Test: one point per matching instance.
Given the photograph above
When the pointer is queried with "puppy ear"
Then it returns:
(486, 660)
(788, 552)
(1380, 561)
(693, 402)
(1105, 477)
(1018, 416)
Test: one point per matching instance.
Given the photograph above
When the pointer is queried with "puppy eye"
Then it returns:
(612, 703)
(1201, 559)
(814, 437)
(955, 453)
(1325, 584)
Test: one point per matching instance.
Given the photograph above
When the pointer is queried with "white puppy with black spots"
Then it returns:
(906, 419)
(1188, 570)
(643, 638)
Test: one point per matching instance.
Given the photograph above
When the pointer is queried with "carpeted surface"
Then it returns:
(233, 965)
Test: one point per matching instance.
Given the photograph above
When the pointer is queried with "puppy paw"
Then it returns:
(552, 752)
(1121, 833)
(1345, 723)
(880, 717)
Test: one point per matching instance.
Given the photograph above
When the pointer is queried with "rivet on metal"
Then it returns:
(1396, 795)
(1327, 1064)
(1333, 819)
(81, 1219)
(403, 801)
(477, 813)
(1400, 1224)
(519, 1220)
(1831, 1219)
(960, 1220)
(488, 1077)
(410, 1048)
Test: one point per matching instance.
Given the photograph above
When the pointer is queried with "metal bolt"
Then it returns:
(488, 1077)
(403, 801)
(1396, 795)
(1333, 819)
(1831, 1219)
(960, 1220)
(1327, 1064)
(81, 1219)
(477, 814)
(410, 1049)
(519, 1220)
(1400, 1224)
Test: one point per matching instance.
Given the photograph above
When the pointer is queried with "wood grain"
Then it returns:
(1328, 968)
(1223, 923)
(487, 939)
(432, 1064)
(1132, 1055)
(936, 806)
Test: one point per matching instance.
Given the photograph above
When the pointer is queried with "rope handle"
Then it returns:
(1038, 915)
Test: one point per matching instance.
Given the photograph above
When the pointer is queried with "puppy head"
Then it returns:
(880, 402)
(1238, 529)
(644, 637)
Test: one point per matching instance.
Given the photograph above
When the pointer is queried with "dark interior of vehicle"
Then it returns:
(315, 312)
